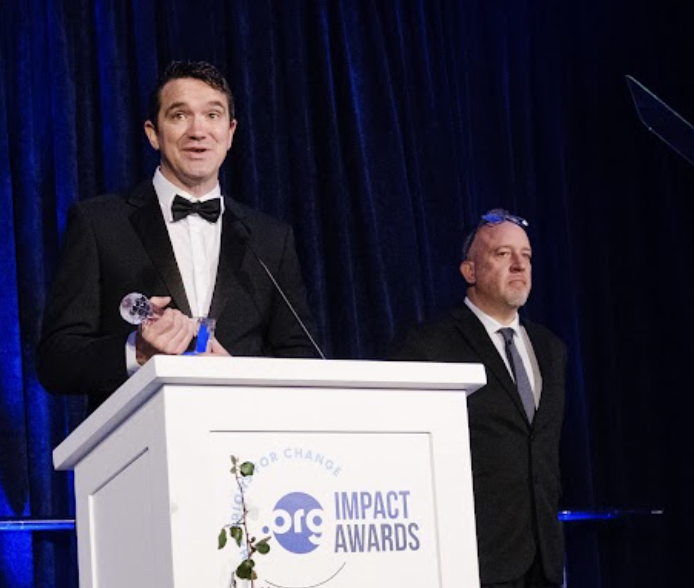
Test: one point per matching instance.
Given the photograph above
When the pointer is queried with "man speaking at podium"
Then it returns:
(516, 419)
(176, 239)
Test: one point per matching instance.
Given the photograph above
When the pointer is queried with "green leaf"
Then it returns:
(222, 539)
(234, 462)
(236, 534)
(247, 468)
(262, 546)
(245, 570)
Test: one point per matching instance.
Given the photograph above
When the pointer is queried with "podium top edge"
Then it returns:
(330, 373)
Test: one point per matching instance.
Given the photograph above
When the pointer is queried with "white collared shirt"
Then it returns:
(523, 344)
(196, 244)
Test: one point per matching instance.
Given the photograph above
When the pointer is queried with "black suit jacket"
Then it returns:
(515, 465)
(117, 244)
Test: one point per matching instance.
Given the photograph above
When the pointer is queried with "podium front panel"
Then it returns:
(367, 487)
(363, 474)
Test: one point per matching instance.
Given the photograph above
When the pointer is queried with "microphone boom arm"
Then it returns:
(245, 234)
(286, 301)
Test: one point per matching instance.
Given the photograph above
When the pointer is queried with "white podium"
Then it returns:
(362, 474)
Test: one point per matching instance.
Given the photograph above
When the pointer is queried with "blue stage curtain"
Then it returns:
(381, 129)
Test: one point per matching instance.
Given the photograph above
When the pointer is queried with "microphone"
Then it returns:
(244, 233)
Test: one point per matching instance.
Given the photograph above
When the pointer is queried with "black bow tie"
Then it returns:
(209, 210)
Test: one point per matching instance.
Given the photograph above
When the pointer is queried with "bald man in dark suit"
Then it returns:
(516, 419)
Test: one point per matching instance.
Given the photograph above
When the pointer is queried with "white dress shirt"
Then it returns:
(196, 244)
(522, 341)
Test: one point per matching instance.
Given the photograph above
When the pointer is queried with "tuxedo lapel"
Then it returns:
(231, 255)
(150, 227)
(476, 335)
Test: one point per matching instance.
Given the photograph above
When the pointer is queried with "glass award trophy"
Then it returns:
(136, 309)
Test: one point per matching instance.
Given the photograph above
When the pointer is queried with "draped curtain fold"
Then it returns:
(381, 130)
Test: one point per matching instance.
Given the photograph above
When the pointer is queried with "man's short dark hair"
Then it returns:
(197, 70)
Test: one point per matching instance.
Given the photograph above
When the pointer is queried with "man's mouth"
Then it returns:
(196, 152)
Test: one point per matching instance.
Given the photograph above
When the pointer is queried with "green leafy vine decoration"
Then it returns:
(238, 531)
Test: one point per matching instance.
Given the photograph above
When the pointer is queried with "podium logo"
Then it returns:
(296, 522)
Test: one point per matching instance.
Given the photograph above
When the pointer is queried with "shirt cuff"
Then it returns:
(131, 354)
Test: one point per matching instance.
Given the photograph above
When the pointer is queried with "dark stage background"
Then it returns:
(381, 130)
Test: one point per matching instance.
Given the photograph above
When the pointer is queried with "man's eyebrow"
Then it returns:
(176, 105)
(184, 105)
(509, 246)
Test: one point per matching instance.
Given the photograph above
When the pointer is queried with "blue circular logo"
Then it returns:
(296, 522)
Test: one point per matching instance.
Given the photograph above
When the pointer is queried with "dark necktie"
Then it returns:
(209, 210)
(521, 376)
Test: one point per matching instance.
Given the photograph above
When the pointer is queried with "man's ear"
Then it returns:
(467, 269)
(151, 133)
(232, 130)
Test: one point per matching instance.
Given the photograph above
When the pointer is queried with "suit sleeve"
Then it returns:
(74, 355)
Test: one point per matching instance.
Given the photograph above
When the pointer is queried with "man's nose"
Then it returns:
(197, 126)
(519, 262)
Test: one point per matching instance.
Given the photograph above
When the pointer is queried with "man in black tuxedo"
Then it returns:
(178, 240)
(516, 419)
